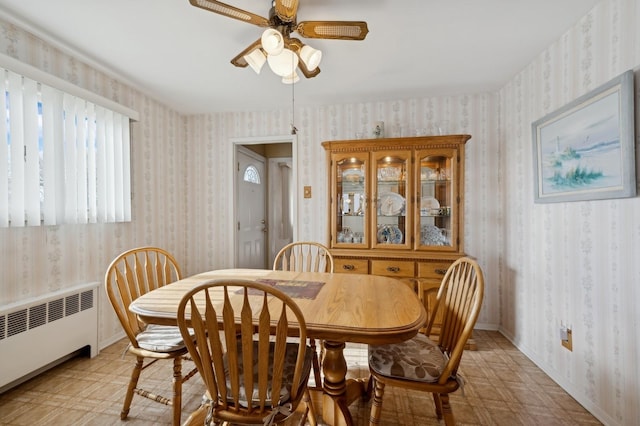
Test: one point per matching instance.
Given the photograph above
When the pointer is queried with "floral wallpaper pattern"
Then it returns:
(545, 265)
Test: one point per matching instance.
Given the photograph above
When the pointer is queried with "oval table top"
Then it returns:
(338, 307)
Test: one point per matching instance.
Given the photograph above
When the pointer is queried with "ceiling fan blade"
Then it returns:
(230, 12)
(342, 30)
(286, 9)
(239, 60)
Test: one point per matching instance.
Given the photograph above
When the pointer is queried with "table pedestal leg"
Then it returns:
(338, 392)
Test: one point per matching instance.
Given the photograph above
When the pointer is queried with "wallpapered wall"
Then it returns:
(575, 263)
(570, 262)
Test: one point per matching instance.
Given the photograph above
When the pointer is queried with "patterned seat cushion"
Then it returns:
(418, 359)
(160, 338)
(287, 379)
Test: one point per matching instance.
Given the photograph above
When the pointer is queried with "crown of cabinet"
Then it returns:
(418, 142)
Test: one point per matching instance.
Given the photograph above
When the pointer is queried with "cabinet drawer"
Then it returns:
(393, 268)
(434, 270)
(351, 266)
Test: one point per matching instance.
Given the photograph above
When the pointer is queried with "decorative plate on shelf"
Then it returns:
(391, 204)
(428, 204)
(389, 234)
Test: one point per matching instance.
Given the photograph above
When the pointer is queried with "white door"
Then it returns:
(251, 211)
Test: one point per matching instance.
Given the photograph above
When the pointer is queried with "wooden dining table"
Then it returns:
(337, 308)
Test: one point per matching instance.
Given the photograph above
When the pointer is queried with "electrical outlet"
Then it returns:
(568, 342)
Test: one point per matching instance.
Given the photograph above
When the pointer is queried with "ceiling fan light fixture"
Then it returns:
(276, 30)
(272, 41)
(291, 79)
(284, 64)
(256, 60)
(311, 57)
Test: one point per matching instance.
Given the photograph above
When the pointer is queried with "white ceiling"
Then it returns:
(180, 54)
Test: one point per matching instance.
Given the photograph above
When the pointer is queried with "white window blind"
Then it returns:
(67, 159)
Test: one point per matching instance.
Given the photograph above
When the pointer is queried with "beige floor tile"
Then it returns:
(503, 388)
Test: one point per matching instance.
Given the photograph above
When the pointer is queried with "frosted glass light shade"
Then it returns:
(283, 64)
(256, 60)
(272, 41)
(291, 79)
(311, 57)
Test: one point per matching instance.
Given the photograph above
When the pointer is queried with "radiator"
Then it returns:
(39, 333)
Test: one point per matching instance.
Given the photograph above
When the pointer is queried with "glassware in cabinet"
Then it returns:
(392, 193)
(436, 196)
(350, 200)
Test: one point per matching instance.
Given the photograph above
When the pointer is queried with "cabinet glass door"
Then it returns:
(350, 204)
(391, 214)
(437, 201)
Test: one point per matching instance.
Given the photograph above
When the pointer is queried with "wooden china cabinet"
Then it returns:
(396, 207)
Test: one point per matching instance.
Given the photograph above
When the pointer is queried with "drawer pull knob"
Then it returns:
(440, 271)
(348, 267)
(393, 269)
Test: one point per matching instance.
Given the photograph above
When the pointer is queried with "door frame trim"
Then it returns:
(235, 143)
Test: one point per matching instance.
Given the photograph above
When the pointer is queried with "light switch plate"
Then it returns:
(307, 192)
(563, 333)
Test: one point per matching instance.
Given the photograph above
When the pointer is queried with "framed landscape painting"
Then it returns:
(586, 149)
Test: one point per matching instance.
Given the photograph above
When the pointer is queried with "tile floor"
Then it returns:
(503, 388)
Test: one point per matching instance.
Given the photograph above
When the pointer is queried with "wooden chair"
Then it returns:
(422, 364)
(253, 333)
(306, 256)
(130, 275)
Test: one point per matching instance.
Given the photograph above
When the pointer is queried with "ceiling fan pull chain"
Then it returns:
(294, 130)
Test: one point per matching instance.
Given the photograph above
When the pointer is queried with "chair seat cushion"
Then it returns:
(160, 338)
(287, 379)
(418, 359)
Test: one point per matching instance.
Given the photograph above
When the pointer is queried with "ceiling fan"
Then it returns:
(276, 46)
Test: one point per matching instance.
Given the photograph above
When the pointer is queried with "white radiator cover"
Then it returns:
(37, 333)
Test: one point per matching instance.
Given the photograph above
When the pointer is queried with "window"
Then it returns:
(66, 160)
(251, 174)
